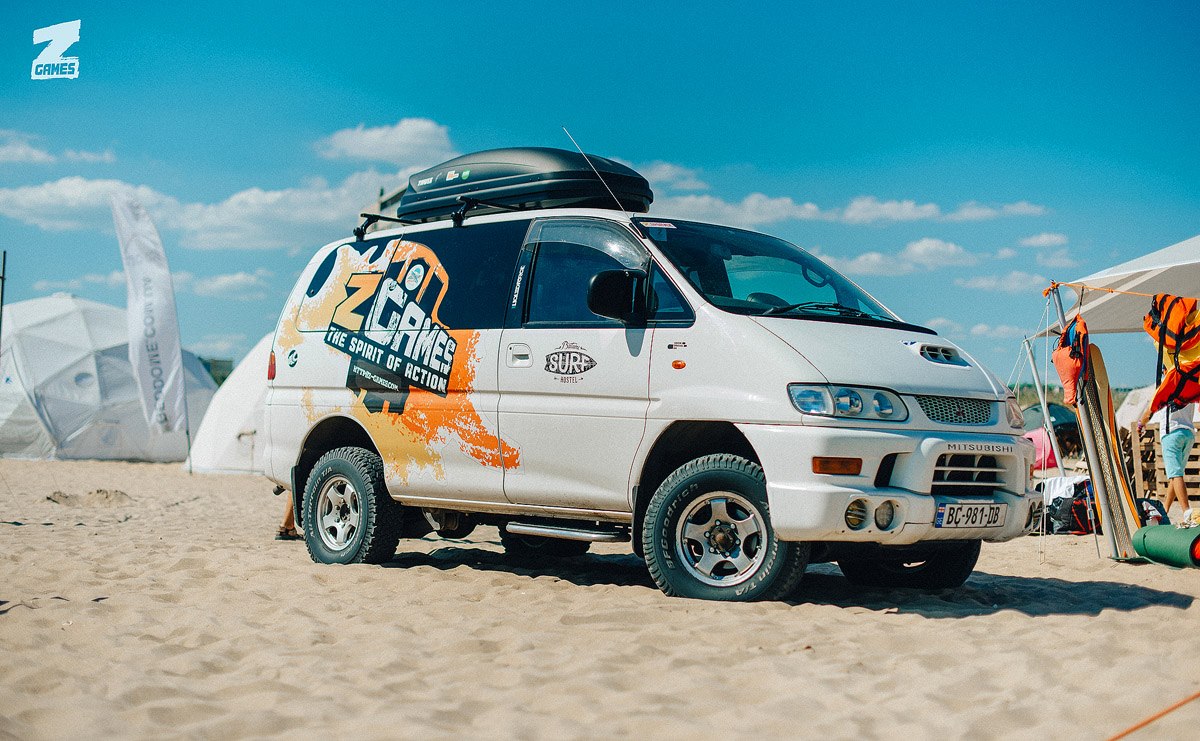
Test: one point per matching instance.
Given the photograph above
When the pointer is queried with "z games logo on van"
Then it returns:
(388, 325)
(569, 362)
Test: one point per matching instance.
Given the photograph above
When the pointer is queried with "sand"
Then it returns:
(136, 601)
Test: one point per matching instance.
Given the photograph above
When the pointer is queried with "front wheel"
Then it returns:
(941, 566)
(349, 517)
(707, 534)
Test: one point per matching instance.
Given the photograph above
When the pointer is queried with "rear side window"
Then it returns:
(478, 260)
(569, 254)
(475, 261)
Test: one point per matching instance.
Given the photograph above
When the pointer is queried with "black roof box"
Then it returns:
(522, 178)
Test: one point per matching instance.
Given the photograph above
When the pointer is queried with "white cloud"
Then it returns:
(755, 209)
(75, 203)
(975, 211)
(1023, 208)
(868, 209)
(1013, 282)
(218, 345)
(18, 150)
(933, 253)
(925, 254)
(113, 279)
(107, 156)
(409, 142)
(671, 176)
(1045, 239)
(17, 146)
(1056, 259)
(944, 325)
(868, 263)
(1005, 253)
(241, 286)
(998, 332)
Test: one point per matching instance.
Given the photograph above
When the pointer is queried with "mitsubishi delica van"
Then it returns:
(523, 347)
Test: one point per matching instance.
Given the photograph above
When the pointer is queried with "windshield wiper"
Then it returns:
(821, 306)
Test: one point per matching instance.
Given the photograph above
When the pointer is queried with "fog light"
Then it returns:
(839, 466)
(856, 514)
(884, 515)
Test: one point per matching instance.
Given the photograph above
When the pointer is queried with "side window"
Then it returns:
(470, 267)
(666, 304)
(569, 253)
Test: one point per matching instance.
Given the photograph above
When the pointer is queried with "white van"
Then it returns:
(527, 351)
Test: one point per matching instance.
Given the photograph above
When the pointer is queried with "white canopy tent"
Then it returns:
(230, 440)
(67, 389)
(1174, 270)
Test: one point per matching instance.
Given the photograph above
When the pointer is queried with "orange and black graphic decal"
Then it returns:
(388, 324)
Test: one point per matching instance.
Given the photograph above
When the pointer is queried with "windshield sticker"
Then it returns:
(569, 362)
(657, 224)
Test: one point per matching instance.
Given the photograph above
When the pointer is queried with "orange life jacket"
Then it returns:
(1070, 357)
(1181, 386)
(1172, 322)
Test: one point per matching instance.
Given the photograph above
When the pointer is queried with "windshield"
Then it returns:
(748, 273)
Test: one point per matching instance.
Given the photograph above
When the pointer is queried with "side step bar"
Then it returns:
(567, 533)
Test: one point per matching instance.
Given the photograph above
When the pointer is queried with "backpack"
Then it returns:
(1070, 514)
(1070, 358)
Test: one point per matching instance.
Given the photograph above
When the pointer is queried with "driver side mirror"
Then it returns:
(618, 294)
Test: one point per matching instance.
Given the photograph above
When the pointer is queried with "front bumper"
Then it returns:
(811, 507)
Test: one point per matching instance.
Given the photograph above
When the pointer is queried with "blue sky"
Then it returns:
(950, 157)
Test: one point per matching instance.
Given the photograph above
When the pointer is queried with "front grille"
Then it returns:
(952, 410)
(966, 474)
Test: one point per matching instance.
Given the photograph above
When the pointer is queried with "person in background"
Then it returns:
(287, 531)
(1178, 431)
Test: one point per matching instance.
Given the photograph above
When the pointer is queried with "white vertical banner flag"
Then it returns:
(150, 310)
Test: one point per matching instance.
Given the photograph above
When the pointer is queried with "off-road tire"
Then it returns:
(380, 518)
(531, 547)
(782, 564)
(948, 567)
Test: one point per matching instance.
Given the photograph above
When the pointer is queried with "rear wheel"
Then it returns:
(944, 566)
(349, 517)
(532, 547)
(707, 534)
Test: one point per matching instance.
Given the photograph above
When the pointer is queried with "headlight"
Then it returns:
(1016, 419)
(854, 402)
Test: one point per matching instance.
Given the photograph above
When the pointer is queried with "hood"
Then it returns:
(901, 360)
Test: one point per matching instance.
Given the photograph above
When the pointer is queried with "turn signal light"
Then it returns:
(838, 466)
(271, 367)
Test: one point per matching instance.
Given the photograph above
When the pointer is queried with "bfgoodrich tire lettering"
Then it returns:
(707, 534)
(946, 567)
(349, 517)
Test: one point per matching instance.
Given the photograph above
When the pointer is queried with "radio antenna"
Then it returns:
(587, 159)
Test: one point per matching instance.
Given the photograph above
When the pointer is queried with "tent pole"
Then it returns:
(1089, 445)
(1046, 422)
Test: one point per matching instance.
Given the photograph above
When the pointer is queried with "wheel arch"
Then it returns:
(330, 433)
(681, 442)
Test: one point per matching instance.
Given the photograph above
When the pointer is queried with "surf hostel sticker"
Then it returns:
(388, 326)
(568, 362)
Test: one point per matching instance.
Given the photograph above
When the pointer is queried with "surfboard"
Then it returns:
(1125, 515)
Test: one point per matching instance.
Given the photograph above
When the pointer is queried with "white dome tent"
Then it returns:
(228, 440)
(67, 389)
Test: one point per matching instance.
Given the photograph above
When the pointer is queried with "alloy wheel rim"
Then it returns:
(721, 539)
(339, 511)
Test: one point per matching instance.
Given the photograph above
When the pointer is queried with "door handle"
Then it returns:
(519, 355)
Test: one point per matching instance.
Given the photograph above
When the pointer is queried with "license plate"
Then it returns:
(970, 515)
